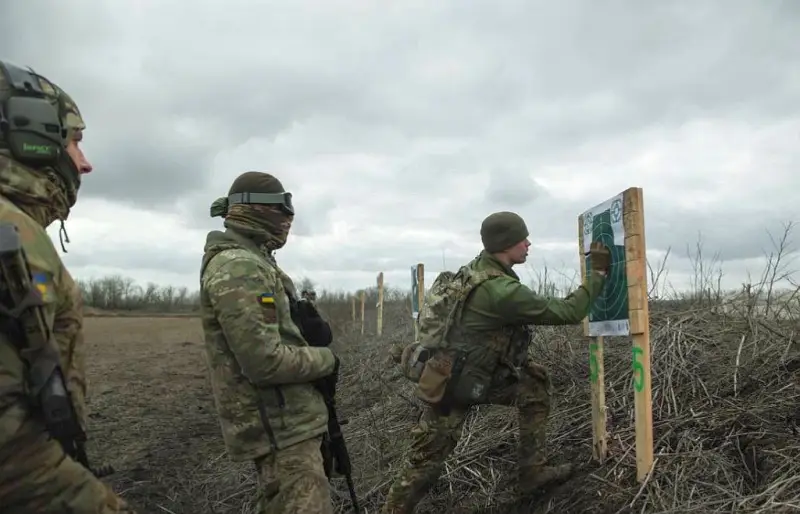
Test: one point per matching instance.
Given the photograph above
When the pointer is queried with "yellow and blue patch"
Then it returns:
(266, 298)
(269, 309)
(42, 284)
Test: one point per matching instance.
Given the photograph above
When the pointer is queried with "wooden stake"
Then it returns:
(596, 374)
(420, 295)
(639, 315)
(380, 304)
(363, 299)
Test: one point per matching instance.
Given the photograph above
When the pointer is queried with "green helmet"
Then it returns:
(37, 121)
(254, 187)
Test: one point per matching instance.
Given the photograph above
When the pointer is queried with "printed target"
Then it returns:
(609, 313)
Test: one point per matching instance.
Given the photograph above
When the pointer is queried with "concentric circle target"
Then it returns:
(612, 304)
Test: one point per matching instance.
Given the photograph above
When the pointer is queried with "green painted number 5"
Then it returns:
(638, 369)
(593, 366)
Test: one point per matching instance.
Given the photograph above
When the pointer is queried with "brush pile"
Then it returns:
(726, 409)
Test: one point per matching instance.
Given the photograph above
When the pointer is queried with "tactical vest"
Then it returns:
(450, 364)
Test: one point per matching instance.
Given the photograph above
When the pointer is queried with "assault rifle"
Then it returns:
(334, 450)
(21, 315)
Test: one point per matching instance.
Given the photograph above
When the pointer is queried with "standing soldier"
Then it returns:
(41, 164)
(483, 358)
(263, 371)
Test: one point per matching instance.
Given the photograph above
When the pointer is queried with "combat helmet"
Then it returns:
(37, 121)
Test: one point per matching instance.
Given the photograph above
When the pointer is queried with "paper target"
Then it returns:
(609, 313)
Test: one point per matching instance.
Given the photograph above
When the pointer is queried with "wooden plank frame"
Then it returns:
(639, 317)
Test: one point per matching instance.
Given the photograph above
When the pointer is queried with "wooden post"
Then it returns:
(420, 295)
(380, 304)
(363, 299)
(639, 314)
(596, 375)
(353, 305)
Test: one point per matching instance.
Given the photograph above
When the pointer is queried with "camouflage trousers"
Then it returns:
(437, 435)
(293, 481)
(36, 476)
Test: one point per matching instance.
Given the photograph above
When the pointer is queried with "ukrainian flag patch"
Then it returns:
(41, 283)
(268, 308)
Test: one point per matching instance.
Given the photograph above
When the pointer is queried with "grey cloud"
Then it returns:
(511, 188)
(543, 77)
(179, 260)
(394, 117)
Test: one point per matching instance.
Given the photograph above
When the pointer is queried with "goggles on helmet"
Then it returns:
(284, 200)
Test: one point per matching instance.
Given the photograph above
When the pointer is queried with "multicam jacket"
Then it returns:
(260, 365)
(492, 328)
(25, 197)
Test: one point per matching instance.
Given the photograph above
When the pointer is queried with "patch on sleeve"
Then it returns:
(43, 284)
(268, 307)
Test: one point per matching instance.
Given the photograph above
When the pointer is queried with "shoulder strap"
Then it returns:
(477, 278)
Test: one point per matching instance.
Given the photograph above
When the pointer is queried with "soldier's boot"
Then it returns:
(535, 477)
(533, 473)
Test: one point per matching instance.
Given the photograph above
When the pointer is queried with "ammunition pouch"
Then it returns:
(448, 379)
(413, 359)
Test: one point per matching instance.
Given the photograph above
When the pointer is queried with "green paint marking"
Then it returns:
(638, 369)
(594, 367)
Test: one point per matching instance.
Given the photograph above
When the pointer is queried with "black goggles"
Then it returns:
(282, 199)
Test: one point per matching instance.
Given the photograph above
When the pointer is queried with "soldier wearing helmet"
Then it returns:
(266, 368)
(485, 359)
(41, 165)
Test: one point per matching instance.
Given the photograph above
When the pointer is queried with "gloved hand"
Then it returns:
(315, 329)
(599, 257)
(327, 384)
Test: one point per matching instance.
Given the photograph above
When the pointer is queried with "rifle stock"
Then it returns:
(22, 315)
(334, 450)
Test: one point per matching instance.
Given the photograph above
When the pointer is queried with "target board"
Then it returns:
(609, 313)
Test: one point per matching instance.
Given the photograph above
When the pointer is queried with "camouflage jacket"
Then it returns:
(25, 197)
(260, 365)
(493, 326)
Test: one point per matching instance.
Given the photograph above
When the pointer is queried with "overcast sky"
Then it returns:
(398, 126)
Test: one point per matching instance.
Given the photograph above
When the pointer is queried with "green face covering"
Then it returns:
(268, 225)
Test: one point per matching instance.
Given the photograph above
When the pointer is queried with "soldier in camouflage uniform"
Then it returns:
(492, 332)
(35, 474)
(261, 367)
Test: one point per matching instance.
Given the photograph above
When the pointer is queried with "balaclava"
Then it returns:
(267, 224)
(502, 230)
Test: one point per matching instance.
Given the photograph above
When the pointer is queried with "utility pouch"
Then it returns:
(470, 386)
(413, 360)
(434, 378)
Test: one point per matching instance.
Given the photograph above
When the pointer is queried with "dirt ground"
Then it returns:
(153, 417)
(725, 415)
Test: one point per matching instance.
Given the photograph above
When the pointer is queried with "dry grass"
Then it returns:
(726, 405)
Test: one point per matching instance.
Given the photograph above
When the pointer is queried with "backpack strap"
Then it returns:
(477, 278)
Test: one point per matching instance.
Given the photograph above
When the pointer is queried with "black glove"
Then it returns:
(327, 384)
(315, 330)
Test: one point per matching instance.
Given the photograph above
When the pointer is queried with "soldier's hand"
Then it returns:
(600, 257)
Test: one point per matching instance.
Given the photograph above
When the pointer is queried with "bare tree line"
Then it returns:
(119, 293)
